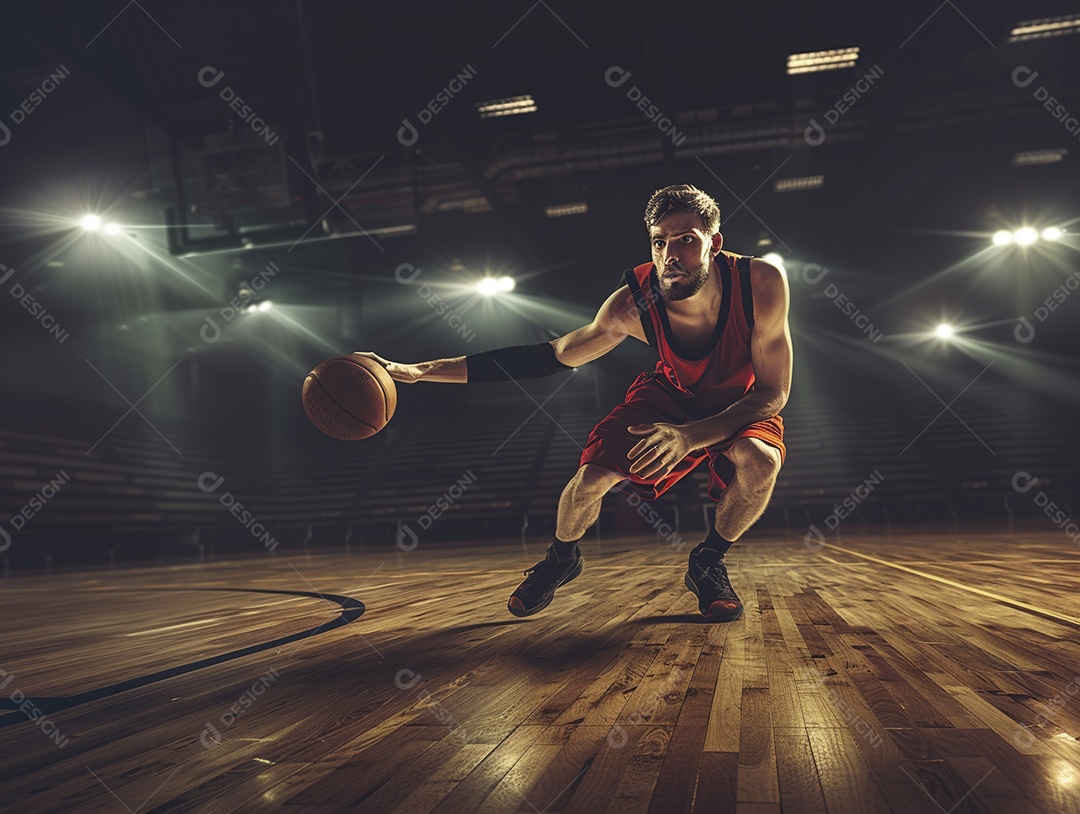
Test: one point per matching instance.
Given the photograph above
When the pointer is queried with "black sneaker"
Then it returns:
(537, 590)
(707, 578)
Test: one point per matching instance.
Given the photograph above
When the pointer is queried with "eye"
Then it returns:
(687, 238)
(657, 243)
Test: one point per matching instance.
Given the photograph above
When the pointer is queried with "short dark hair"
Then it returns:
(687, 198)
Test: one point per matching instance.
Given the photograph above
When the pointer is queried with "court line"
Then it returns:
(350, 610)
(1015, 603)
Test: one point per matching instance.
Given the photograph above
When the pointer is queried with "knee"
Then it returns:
(595, 479)
(755, 461)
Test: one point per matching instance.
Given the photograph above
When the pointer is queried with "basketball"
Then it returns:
(349, 397)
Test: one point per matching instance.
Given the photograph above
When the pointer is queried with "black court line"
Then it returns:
(351, 610)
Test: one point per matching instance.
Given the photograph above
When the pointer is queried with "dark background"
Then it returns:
(918, 174)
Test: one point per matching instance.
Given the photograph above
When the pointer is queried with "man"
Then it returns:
(719, 323)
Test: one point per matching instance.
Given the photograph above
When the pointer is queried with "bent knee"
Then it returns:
(755, 459)
(596, 478)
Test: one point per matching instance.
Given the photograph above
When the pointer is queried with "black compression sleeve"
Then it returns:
(517, 362)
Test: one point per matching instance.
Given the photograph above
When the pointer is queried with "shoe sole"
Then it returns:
(521, 614)
(717, 615)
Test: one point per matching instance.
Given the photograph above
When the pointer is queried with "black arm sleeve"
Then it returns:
(517, 362)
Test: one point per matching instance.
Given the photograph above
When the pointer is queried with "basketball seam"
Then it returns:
(322, 387)
(386, 396)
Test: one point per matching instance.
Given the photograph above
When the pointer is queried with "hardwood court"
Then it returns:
(902, 673)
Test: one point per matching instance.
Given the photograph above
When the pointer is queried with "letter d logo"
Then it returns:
(405, 533)
(814, 135)
(209, 482)
(209, 76)
(814, 540)
(211, 336)
(5, 539)
(1023, 481)
(210, 737)
(1024, 76)
(616, 77)
(407, 134)
(1024, 331)
(7, 135)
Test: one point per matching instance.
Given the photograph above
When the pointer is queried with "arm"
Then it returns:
(664, 445)
(616, 319)
(770, 353)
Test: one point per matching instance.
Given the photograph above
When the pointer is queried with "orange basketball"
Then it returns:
(349, 397)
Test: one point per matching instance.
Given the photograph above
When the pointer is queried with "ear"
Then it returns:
(717, 243)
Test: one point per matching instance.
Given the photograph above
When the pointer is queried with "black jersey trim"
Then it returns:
(743, 265)
(642, 307)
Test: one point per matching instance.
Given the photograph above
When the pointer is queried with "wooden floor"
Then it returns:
(901, 673)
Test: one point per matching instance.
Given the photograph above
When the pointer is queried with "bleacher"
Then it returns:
(135, 494)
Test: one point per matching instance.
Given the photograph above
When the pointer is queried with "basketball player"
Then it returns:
(719, 323)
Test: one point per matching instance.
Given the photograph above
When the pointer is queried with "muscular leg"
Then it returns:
(579, 505)
(744, 500)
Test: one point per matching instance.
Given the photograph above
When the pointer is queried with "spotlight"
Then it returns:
(112, 229)
(506, 283)
(1025, 236)
(90, 223)
(944, 331)
(1052, 233)
(265, 305)
(1002, 237)
(488, 287)
(775, 258)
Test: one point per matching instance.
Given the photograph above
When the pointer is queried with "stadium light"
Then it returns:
(1002, 237)
(944, 331)
(1025, 236)
(488, 287)
(506, 283)
(1052, 233)
(112, 229)
(90, 223)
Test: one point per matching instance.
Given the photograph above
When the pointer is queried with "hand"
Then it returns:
(407, 374)
(664, 446)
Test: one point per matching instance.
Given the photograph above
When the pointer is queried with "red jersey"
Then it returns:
(721, 374)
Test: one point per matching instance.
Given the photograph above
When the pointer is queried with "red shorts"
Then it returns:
(649, 401)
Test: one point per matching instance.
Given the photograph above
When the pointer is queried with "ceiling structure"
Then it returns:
(339, 141)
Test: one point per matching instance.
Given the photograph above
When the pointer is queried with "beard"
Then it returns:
(680, 288)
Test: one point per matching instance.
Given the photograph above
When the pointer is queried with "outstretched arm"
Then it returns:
(616, 319)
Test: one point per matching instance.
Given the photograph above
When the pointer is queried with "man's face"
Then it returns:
(683, 253)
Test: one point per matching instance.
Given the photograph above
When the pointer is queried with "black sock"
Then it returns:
(566, 551)
(715, 546)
